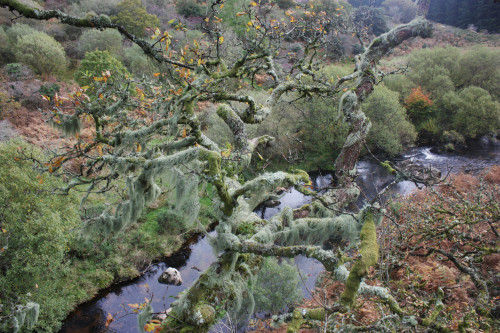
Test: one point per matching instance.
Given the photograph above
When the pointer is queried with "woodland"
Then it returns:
(127, 126)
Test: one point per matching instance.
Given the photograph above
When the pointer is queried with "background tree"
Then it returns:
(94, 40)
(133, 16)
(391, 129)
(473, 112)
(41, 52)
(94, 64)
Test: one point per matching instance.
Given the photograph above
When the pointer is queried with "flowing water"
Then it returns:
(197, 255)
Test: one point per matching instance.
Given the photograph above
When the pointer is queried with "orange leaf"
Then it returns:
(184, 132)
(240, 14)
(109, 320)
(139, 148)
(156, 74)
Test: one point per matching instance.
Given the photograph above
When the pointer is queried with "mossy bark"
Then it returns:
(368, 257)
(300, 316)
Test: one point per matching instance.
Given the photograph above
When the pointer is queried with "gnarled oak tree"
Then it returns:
(146, 131)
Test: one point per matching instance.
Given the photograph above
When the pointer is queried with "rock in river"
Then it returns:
(171, 276)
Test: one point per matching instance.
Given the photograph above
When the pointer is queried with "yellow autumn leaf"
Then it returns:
(221, 39)
(109, 320)
(139, 148)
(133, 306)
(253, 3)
(3, 230)
(249, 23)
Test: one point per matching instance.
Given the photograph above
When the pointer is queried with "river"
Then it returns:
(197, 255)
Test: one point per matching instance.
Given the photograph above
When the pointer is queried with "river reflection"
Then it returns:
(91, 317)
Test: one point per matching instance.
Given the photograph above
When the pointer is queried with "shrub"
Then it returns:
(418, 106)
(168, 221)
(391, 131)
(137, 62)
(133, 16)
(6, 54)
(277, 286)
(474, 112)
(94, 64)
(479, 67)
(38, 227)
(453, 137)
(94, 40)
(41, 52)
(108, 7)
(18, 30)
(49, 89)
(401, 84)
(14, 70)
(190, 8)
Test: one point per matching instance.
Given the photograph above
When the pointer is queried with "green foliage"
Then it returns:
(18, 30)
(107, 40)
(190, 8)
(401, 84)
(169, 221)
(108, 7)
(447, 74)
(38, 229)
(49, 89)
(277, 286)
(14, 69)
(95, 63)
(41, 52)
(6, 54)
(391, 130)
(453, 137)
(473, 111)
(479, 66)
(137, 62)
(133, 16)
(428, 64)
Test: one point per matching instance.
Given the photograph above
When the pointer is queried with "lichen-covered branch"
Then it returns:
(365, 81)
(368, 257)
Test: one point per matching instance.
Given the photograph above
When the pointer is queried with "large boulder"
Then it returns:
(171, 276)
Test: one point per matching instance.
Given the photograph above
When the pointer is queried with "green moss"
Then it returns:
(368, 257)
